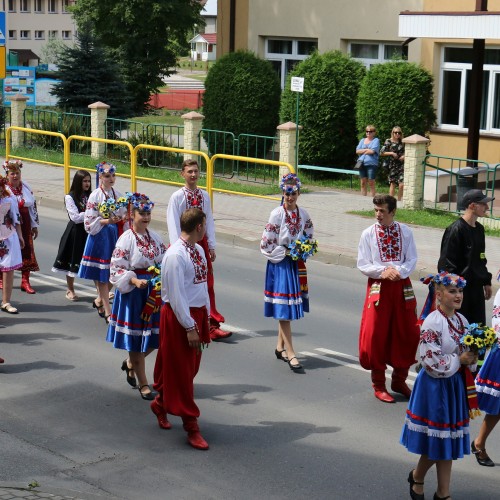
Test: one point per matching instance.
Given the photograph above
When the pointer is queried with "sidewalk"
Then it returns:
(240, 220)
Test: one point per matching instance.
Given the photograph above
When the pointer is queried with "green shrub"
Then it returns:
(242, 96)
(396, 93)
(327, 108)
(151, 157)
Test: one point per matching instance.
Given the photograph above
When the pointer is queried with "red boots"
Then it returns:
(25, 282)
(161, 415)
(378, 382)
(399, 382)
(195, 439)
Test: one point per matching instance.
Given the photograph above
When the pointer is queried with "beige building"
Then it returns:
(31, 23)
(285, 31)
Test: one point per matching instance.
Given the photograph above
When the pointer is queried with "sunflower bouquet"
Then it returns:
(303, 247)
(155, 279)
(153, 302)
(108, 208)
(478, 338)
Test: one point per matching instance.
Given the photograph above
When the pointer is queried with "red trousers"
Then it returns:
(177, 364)
(389, 333)
(214, 314)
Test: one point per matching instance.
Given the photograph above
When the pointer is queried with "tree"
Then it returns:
(242, 95)
(396, 93)
(327, 108)
(143, 35)
(52, 50)
(87, 75)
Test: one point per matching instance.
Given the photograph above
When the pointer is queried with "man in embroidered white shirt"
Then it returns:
(191, 196)
(389, 332)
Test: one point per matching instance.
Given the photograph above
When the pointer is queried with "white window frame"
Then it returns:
(283, 58)
(12, 34)
(53, 34)
(38, 6)
(380, 59)
(65, 5)
(12, 5)
(66, 35)
(462, 68)
(52, 6)
(25, 35)
(24, 6)
(39, 35)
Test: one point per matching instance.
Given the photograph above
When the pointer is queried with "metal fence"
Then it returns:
(218, 142)
(4, 122)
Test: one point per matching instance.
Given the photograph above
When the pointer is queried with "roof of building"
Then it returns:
(25, 54)
(210, 38)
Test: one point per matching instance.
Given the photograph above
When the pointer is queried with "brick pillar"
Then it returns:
(415, 151)
(193, 122)
(287, 138)
(98, 116)
(17, 107)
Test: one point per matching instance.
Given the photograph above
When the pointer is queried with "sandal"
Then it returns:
(149, 396)
(280, 355)
(130, 379)
(8, 308)
(72, 296)
(100, 309)
(413, 494)
(298, 366)
(486, 460)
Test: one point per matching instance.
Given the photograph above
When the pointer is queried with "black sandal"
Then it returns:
(413, 495)
(131, 380)
(294, 367)
(100, 309)
(440, 498)
(279, 355)
(486, 462)
(149, 396)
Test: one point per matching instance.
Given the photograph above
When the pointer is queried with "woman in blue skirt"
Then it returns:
(437, 419)
(285, 298)
(103, 229)
(135, 319)
(488, 392)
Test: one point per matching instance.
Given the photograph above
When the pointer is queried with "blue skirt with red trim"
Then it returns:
(96, 257)
(283, 298)
(488, 384)
(437, 418)
(127, 330)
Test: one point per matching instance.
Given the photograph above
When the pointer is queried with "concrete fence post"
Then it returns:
(287, 142)
(193, 122)
(98, 116)
(414, 171)
(17, 108)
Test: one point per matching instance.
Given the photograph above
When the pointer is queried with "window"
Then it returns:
(12, 5)
(53, 34)
(370, 53)
(284, 54)
(454, 92)
(66, 4)
(24, 6)
(66, 35)
(25, 34)
(39, 35)
(38, 6)
(12, 35)
(52, 6)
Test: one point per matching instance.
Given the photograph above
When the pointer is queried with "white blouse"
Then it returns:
(74, 214)
(439, 349)
(180, 201)
(92, 218)
(29, 202)
(387, 246)
(184, 281)
(129, 255)
(282, 228)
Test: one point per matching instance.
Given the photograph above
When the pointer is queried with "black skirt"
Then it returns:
(71, 248)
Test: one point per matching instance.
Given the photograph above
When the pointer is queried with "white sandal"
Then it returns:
(8, 308)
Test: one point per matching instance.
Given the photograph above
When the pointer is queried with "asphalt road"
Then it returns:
(68, 419)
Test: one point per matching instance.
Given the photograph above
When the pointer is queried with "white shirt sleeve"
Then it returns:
(207, 208)
(269, 243)
(174, 211)
(367, 264)
(120, 272)
(74, 214)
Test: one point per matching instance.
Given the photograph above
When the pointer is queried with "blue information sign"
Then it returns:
(2, 28)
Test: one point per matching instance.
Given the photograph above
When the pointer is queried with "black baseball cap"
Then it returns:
(475, 196)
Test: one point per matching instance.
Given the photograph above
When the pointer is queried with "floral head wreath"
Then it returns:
(105, 168)
(12, 165)
(443, 278)
(140, 202)
(290, 183)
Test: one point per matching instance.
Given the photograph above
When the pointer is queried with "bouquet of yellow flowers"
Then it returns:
(478, 338)
(153, 302)
(303, 247)
(107, 208)
(156, 279)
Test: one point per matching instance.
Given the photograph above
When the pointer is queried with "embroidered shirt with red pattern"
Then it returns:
(389, 242)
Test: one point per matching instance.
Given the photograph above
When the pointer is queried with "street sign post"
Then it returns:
(297, 85)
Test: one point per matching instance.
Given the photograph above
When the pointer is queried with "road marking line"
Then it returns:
(240, 331)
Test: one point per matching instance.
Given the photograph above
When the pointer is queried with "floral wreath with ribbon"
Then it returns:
(290, 183)
(140, 202)
(12, 165)
(105, 168)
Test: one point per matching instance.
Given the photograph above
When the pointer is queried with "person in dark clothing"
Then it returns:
(463, 253)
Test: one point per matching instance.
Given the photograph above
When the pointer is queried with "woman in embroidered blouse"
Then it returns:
(285, 299)
(103, 230)
(394, 150)
(29, 220)
(74, 237)
(437, 420)
(134, 324)
(11, 243)
(367, 150)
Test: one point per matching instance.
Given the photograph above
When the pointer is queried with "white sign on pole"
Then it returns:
(297, 84)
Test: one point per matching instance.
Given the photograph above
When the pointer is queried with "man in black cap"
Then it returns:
(463, 253)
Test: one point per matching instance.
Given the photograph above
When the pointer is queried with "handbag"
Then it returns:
(359, 164)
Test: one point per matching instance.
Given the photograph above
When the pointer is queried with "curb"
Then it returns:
(22, 490)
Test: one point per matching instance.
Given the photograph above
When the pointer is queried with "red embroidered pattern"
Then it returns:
(18, 193)
(292, 221)
(194, 198)
(389, 242)
(200, 266)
